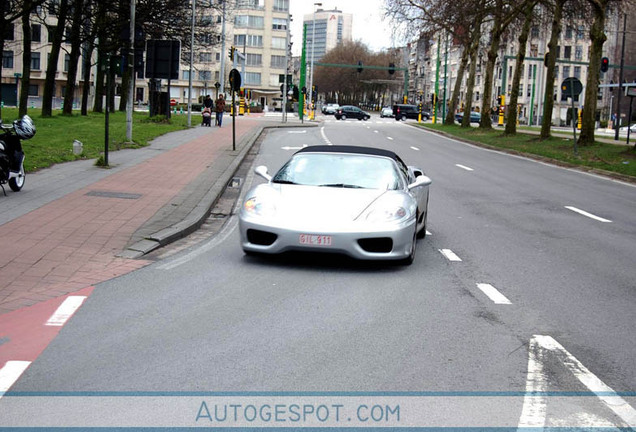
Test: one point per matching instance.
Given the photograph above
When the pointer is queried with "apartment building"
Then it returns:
(258, 29)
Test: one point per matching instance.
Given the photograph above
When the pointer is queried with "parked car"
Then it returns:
(359, 201)
(386, 112)
(405, 111)
(350, 111)
(475, 117)
(330, 108)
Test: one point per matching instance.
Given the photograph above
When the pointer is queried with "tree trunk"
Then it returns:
(598, 38)
(495, 40)
(470, 83)
(76, 47)
(86, 85)
(26, 60)
(48, 92)
(511, 122)
(548, 97)
(452, 106)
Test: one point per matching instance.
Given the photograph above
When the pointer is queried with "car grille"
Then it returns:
(262, 238)
(376, 245)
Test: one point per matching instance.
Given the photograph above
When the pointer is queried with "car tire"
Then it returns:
(409, 260)
(422, 232)
(366, 118)
(403, 118)
(343, 117)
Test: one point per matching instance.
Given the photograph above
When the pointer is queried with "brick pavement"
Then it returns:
(72, 242)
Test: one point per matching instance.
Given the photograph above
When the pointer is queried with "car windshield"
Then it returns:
(340, 170)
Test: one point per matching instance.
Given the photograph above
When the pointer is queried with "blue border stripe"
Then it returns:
(312, 394)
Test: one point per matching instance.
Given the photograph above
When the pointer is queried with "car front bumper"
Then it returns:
(360, 241)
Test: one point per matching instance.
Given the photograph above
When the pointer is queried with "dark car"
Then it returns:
(349, 111)
(405, 111)
(475, 117)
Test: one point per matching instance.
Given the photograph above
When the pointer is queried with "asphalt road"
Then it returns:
(212, 319)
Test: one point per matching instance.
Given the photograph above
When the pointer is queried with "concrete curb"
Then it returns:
(198, 215)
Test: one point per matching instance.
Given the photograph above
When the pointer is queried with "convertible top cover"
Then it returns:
(351, 149)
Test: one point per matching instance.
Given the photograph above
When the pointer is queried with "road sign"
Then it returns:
(571, 87)
(630, 91)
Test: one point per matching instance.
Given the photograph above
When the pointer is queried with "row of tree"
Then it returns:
(97, 29)
(479, 27)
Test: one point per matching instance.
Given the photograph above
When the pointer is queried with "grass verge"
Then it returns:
(610, 158)
(53, 141)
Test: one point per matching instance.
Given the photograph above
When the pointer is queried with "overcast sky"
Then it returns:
(367, 21)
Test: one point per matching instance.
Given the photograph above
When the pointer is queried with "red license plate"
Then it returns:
(314, 240)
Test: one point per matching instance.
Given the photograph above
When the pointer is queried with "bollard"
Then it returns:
(78, 147)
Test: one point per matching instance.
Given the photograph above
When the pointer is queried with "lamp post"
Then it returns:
(311, 67)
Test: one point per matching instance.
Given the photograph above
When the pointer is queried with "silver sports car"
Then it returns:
(360, 201)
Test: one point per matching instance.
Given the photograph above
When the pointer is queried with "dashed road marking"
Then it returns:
(450, 255)
(389, 138)
(324, 137)
(65, 310)
(10, 372)
(590, 215)
(493, 294)
(415, 148)
(464, 167)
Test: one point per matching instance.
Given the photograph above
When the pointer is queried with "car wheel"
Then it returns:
(343, 117)
(403, 118)
(409, 260)
(366, 118)
(422, 232)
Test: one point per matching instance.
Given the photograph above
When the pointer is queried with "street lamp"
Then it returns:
(311, 67)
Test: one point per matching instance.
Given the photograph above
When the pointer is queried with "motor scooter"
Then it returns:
(11, 154)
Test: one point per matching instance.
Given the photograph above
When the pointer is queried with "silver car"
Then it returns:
(360, 201)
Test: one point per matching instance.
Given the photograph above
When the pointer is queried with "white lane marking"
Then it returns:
(389, 138)
(10, 373)
(415, 148)
(584, 213)
(324, 137)
(450, 255)
(65, 310)
(606, 394)
(533, 413)
(297, 132)
(493, 294)
(428, 233)
(375, 131)
(464, 167)
(293, 148)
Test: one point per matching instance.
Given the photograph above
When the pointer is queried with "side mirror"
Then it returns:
(420, 181)
(261, 170)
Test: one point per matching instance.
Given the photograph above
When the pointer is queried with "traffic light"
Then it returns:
(604, 64)
(231, 52)
(391, 68)
(359, 66)
(281, 90)
(499, 100)
(545, 59)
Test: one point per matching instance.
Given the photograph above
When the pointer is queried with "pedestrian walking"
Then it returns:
(220, 109)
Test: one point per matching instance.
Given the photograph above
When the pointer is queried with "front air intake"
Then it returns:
(376, 245)
(261, 238)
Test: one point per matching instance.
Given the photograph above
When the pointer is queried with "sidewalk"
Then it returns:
(76, 225)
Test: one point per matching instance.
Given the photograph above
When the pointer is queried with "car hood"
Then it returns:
(319, 204)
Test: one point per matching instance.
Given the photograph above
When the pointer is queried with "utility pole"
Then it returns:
(131, 71)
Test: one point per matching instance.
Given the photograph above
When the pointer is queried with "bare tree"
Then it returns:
(511, 123)
(51, 69)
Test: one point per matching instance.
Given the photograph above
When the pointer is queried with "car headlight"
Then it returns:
(387, 214)
(391, 208)
(254, 206)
